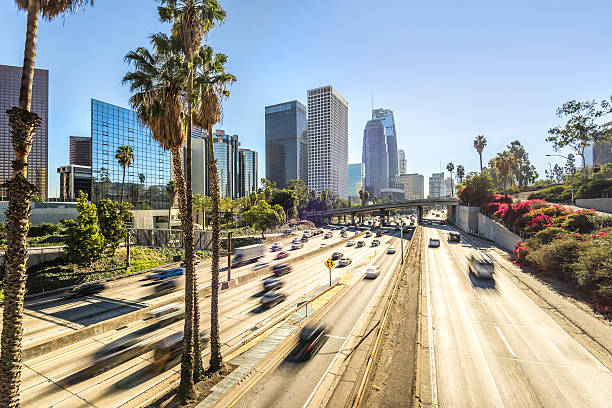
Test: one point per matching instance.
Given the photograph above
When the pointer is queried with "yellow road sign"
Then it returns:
(330, 264)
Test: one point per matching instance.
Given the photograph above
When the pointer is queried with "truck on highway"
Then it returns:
(481, 265)
(248, 254)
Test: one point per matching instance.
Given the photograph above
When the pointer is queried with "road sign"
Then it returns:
(330, 264)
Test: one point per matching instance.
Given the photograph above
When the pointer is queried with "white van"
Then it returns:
(307, 233)
(481, 265)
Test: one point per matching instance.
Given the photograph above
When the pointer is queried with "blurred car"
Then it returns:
(272, 283)
(391, 250)
(312, 338)
(454, 236)
(260, 265)
(281, 269)
(481, 265)
(196, 261)
(297, 245)
(296, 241)
(287, 231)
(344, 234)
(167, 273)
(379, 234)
(368, 234)
(350, 242)
(434, 243)
(281, 255)
(169, 350)
(277, 246)
(336, 255)
(344, 261)
(168, 285)
(304, 239)
(442, 222)
(375, 242)
(372, 272)
(88, 289)
(328, 235)
(271, 299)
(360, 244)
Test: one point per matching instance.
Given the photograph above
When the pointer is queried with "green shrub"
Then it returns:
(593, 269)
(548, 235)
(557, 257)
(579, 221)
(43, 229)
(594, 189)
(84, 243)
(553, 193)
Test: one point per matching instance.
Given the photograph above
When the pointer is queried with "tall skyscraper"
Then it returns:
(356, 173)
(386, 116)
(248, 171)
(228, 164)
(413, 185)
(375, 158)
(402, 161)
(328, 141)
(80, 150)
(147, 177)
(437, 186)
(10, 82)
(286, 143)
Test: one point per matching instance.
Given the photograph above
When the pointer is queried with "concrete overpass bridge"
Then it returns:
(384, 208)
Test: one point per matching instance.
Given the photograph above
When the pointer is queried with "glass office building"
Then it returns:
(147, 177)
(356, 173)
(286, 143)
(226, 149)
(386, 116)
(375, 158)
(10, 83)
(248, 172)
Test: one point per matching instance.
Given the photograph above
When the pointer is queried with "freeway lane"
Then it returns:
(494, 347)
(239, 313)
(292, 384)
(50, 316)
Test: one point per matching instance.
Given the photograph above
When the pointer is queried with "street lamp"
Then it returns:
(559, 155)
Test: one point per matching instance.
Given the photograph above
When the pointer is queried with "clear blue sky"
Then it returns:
(449, 69)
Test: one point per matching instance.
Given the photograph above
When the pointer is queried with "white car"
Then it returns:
(260, 265)
(277, 246)
(297, 245)
(368, 234)
(350, 242)
(372, 272)
(296, 241)
(434, 243)
(391, 250)
(344, 261)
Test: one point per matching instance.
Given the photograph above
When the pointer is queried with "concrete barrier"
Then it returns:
(64, 340)
(39, 255)
(497, 233)
(467, 218)
(599, 204)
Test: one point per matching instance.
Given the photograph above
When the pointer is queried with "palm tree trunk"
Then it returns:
(122, 186)
(23, 124)
(186, 387)
(480, 154)
(215, 346)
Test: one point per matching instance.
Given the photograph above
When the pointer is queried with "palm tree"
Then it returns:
(171, 193)
(451, 167)
(23, 124)
(479, 144)
(460, 172)
(503, 165)
(124, 155)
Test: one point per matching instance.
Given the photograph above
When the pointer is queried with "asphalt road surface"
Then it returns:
(494, 347)
(43, 382)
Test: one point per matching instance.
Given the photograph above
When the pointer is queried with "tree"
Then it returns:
(503, 165)
(570, 164)
(460, 173)
(124, 155)
(84, 242)
(580, 130)
(23, 124)
(558, 173)
(479, 144)
(202, 203)
(522, 170)
(263, 216)
(476, 188)
(301, 192)
(171, 194)
(451, 167)
(363, 196)
(286, 199)
(112, 219)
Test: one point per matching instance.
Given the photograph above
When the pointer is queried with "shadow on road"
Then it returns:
(481, 283)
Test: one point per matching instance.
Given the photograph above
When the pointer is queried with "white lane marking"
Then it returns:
(432, 355)
(312, 394)
(335, 337)
(505, 341)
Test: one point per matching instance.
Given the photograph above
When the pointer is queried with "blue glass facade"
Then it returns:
(147, 177)
(375, 158)
(286, 143)
(248, 172)
(386, 116)
(356, 173)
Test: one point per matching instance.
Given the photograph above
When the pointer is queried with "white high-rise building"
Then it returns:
(413, 185)
(437, 187)
(401, 161)
(328, 141)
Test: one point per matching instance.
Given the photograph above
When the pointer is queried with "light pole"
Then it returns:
(559, 155)
(402, 240)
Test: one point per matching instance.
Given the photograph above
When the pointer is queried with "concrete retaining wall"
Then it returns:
(599, 204)
(39, 255)
(467, 218)
(497, 233)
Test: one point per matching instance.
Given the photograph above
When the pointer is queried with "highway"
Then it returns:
(44, 378)
(49, 316)
(493, 346)
(293, 384)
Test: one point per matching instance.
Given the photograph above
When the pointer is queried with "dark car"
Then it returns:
(336, 255)
(454, 236)
(281, 269)
(169, 273)
(88, 289)
(272, 284)
(304, 238)
(379, 234)
(168, 351)
(442, 222)
(271, 299)
(310, 342)
(167, 285)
